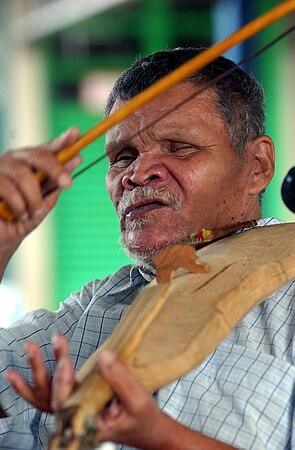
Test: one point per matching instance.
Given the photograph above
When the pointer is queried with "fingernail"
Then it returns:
(55, 341)
(64, 134)
(9, 377)
(61, 363)
(24, 217)
(38, 213)
(29, 350)
(107, 357)
(64, 180)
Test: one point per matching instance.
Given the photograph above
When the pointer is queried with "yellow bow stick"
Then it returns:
(166, 83)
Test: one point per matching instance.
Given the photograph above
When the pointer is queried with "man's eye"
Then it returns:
(122, 160)
(182, 149)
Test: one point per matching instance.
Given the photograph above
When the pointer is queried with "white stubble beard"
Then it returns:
(144, 258)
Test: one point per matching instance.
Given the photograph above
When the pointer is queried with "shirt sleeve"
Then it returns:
(38, 326)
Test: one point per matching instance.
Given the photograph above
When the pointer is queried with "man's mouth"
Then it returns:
(135, 211)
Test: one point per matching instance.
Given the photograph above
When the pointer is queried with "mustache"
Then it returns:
(138, 194)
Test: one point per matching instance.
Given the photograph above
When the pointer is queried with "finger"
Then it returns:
(21, 191)
(48, 186)
(18, 184)
(73, 163)
(66, 139)
(60, 346)
(26, 224)
(10, 193)
(25, 390)
(40, 373)
(112, 411)
(28, 188)
(43, 159)
(48, 203)
(64, 382)
(45, 162)
(122, 381)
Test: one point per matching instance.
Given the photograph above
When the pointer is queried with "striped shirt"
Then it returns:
(242, 394)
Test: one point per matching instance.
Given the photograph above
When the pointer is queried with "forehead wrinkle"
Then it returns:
(172, 125)
(172, 130)
(116, 135)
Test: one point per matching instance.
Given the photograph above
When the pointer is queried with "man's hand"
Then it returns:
(22, 192)
(133, 418)
(44, 394)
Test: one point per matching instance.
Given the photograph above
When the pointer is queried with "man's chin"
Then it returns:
(143, 255)
(143, 260)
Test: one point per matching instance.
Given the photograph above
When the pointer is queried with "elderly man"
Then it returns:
(181, 163)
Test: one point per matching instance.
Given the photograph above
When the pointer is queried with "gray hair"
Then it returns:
(240, 98)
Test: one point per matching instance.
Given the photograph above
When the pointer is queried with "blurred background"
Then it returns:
(59, 59)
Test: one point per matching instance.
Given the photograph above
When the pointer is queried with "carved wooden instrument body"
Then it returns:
(173, 326)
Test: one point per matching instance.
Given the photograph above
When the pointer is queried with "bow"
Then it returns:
(164, 84)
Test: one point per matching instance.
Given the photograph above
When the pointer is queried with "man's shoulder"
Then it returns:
(265, 221)
(120, 276)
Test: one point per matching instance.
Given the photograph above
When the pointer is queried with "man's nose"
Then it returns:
(145, 171)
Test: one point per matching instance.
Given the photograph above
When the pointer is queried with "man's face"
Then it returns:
(178, 176)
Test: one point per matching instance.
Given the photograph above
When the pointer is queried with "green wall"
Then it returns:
(86, 230)
(270, 66)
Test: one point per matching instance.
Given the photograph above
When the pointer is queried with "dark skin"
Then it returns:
(134, 419)
(196, 163)
(22, 192)
(191, 162)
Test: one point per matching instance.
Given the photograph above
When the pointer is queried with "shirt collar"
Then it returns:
(138, 277)
(129, 277)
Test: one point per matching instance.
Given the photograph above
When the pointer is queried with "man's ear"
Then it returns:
(261, 153)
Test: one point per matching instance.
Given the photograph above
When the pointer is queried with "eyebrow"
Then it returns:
(175, 132)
